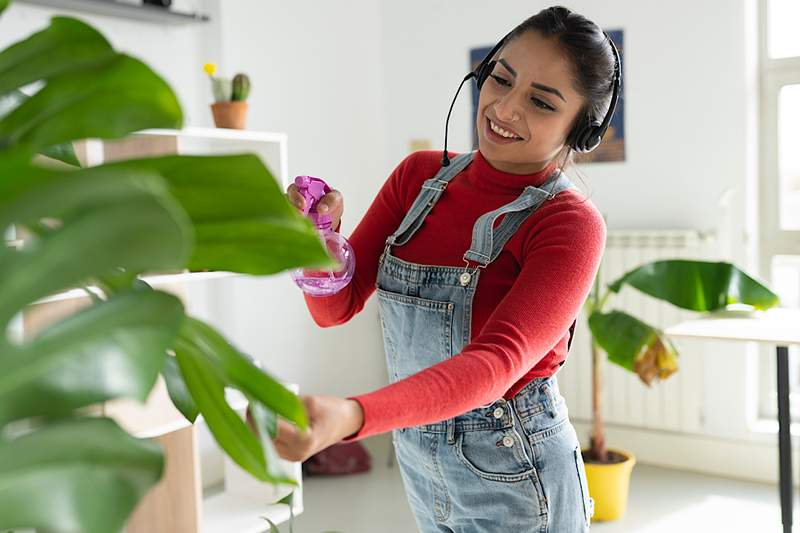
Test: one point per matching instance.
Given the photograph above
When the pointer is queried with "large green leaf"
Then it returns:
(66, 44)
(134, 229)
(4, 5)
(82, 475)
(242, 373)
(108, 99)
(62, 152)
(239, 213)
(265, 422)
(112, 349)
(697, 285)
(178, 391)
(634, 345)
(203, 379)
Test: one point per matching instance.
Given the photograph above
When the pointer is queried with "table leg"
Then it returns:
(785, 439)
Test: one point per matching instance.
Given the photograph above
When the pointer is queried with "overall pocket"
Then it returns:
(495, 455)
(417, 332)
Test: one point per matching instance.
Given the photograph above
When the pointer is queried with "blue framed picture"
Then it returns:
(613, 146)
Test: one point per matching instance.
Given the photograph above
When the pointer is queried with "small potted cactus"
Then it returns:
(230, 98)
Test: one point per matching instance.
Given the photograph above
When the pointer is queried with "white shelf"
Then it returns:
(226, 134)
(233, 513)
(154, 280)
(114, 8)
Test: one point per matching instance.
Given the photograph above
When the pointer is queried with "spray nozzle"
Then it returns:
(313, 189)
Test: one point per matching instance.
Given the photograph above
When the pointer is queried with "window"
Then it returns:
(779, 190)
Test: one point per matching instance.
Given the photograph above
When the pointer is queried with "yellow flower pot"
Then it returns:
(608, 486)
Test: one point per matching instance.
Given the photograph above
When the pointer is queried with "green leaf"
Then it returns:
(634, 345)
(177, 389)
(208, 390)
(272, 527)
(131, 227)
(108, 99)
(287, 500)
(4, 5)
(243, 374)
(66, 44)
(76, 475)
(62, 152)
(243, 222)
(697, 285)
(116, 348)
(264, 421)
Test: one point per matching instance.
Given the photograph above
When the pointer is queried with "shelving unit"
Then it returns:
(202, 490)
(113, 8)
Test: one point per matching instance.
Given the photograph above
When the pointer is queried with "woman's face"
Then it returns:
(529, 94)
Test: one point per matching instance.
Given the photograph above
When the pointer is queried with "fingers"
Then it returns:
(294, 196)
(292, 443)
(332, 204)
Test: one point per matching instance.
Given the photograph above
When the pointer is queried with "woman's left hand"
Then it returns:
(330, 419)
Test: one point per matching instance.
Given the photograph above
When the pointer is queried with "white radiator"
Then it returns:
(674, 404)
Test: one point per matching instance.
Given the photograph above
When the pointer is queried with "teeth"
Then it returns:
(500, 131)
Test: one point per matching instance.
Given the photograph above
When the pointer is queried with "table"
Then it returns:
(779, 326)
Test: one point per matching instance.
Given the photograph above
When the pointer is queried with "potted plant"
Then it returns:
(230, 98)
(62, 467)
(645, 350)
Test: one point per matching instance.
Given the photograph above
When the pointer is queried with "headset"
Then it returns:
(588, 132)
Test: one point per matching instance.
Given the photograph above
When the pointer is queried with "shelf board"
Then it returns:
(146, 13)
(225, 134)
(154, 280)
(232, 513)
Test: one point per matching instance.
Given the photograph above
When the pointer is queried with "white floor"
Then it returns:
(661, 501)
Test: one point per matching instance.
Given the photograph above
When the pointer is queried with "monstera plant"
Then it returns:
(645, 350)
(100, 228)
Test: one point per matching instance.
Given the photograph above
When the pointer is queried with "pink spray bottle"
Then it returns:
(323, 282)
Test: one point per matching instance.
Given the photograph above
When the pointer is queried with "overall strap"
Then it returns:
(428, 195)
(488, 242)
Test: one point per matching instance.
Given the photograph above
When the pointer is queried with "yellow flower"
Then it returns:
(210, 68)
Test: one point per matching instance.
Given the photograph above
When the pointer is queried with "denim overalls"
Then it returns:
(509, 466)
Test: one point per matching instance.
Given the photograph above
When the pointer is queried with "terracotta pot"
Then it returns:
(230, 114)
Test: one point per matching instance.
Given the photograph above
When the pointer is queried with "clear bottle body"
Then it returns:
(325, 282)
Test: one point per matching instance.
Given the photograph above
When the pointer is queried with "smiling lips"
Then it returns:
(503, 132)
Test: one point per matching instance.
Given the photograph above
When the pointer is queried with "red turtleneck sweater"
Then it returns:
(524, 304)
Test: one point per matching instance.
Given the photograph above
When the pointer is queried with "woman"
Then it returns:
(473, 340)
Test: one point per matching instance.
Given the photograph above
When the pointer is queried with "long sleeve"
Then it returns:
(561, 259)
(381, 219)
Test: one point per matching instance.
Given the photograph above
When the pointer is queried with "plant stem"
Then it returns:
(598, 440)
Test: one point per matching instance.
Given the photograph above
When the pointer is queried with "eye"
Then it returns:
(500, 80)
(539, 103)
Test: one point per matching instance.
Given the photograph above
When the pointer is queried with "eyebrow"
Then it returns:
(545, 88)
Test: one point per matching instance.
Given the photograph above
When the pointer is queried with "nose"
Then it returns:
(506, 108)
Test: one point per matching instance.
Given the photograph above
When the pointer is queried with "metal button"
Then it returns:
(465, 278)
(508, 442)
(498, 413)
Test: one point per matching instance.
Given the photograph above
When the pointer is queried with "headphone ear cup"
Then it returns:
(587, 137)
(484, 69)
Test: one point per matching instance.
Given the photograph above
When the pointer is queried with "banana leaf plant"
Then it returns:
(644, 349)
(101, 228)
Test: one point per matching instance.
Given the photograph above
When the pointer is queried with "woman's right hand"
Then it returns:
(331, 204)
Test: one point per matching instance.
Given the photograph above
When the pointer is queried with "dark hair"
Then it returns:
(589, 53)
